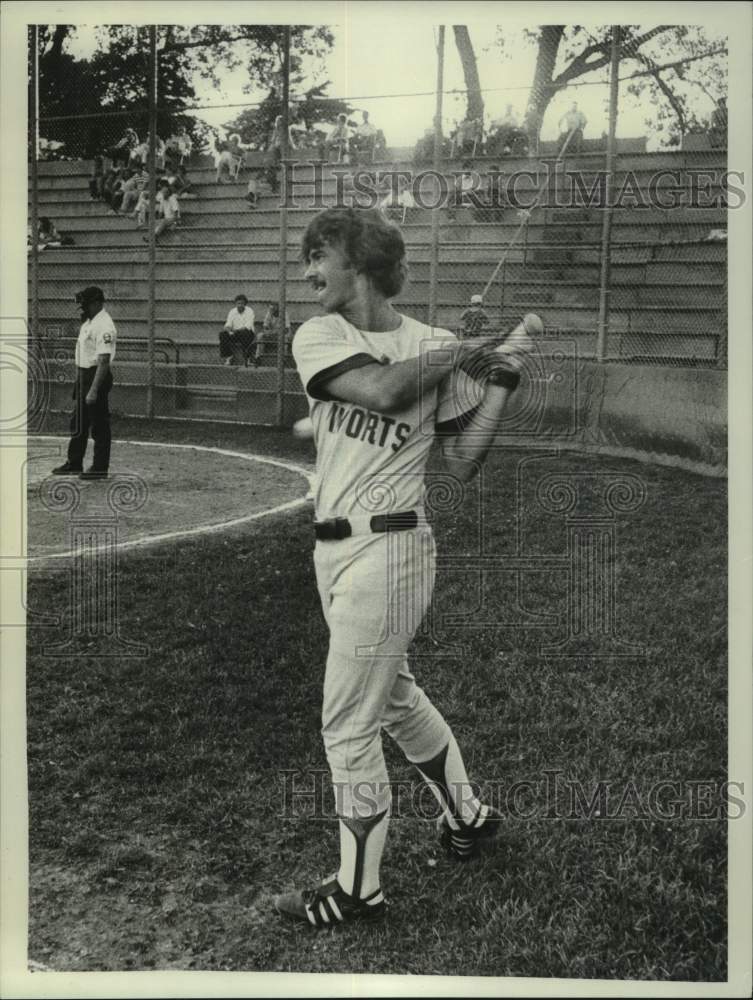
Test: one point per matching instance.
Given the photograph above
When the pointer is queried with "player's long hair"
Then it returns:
(371, 244)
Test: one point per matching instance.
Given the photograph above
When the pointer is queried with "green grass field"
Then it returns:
(156, 830)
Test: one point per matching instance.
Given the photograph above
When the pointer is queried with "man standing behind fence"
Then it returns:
(573, 122)
(95, 350)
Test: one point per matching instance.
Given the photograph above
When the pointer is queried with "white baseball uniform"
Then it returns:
(374, 587)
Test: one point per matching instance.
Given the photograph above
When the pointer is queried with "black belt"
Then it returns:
(337, 528)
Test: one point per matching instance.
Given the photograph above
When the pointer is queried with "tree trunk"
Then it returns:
(542, 90)
(60, 35)
(475, 102)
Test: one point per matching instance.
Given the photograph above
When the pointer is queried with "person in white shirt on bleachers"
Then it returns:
(238, 330)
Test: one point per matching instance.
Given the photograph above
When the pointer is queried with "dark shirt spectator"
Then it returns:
(270, 335)
(122, 150)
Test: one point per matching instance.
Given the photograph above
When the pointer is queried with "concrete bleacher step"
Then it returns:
(552, 257)
(663, 277)
(184, 300)
(568, 293)
(698, 254)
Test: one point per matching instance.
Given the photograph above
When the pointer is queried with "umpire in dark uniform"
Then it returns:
(95, 350)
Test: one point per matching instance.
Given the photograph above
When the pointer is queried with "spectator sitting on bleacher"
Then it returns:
(230, 160)
(339, 139)
(119, 189)
(266, 347)
(473, 320)
(122, 150)
(574, 121)
(141, 209)
(114, 190)
(167, 210)
(179, 182)
(140, 155)
(178, 149)
(238, 331)
(363, 141)
(49, 236)
(132, 189)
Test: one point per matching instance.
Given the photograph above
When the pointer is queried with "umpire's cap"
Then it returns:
(90, 294)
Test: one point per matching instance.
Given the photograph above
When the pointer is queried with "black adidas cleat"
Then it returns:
(468, 840)
(328, 905)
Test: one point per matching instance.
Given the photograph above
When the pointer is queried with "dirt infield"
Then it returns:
(156, 492)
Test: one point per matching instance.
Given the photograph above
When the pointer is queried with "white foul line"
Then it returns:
(205, 529)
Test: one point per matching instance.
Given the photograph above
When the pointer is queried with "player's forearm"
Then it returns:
(466, 451)
(398, 386)
(103, 366)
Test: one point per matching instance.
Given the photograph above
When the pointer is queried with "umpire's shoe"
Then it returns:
(469, 839)
(327, 905)
(66, 469)
(93, 474)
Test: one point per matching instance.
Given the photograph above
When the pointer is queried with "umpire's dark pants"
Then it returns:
(94, 417)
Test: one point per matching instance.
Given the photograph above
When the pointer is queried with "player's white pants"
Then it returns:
(375, 590)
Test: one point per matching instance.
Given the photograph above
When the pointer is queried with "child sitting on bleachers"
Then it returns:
(140, 155)
(116, 192)
(122, 151)
(132, 189)
(141, 210)
(179, 182)
(48, 236)
(168, 208)
(230, 160)
(474, 319)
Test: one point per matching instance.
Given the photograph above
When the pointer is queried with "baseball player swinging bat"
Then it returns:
(380, 387)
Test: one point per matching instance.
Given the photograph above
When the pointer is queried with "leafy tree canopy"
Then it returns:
(110, 87)
(678, 64)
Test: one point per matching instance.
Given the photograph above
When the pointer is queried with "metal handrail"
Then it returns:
(124, 343)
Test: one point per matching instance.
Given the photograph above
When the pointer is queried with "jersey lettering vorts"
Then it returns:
(375, 428)
(367, 462)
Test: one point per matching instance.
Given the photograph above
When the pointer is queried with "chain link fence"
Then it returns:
(622, 252)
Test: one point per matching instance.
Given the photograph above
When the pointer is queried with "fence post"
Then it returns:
(152, 216)
(434, 249)
(35, 342)
(284, 190)
(606, 228)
